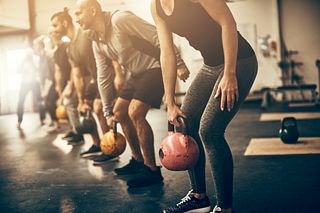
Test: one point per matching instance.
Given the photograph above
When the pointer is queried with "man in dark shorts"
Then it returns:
(133, 43)
(83, 72)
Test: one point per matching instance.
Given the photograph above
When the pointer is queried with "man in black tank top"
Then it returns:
(62, 63)
(63, 84)
(64, 80)
(225, 80)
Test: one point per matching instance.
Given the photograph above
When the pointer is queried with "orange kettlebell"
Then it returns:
(61, 112)
(178, 151)
(113, 143)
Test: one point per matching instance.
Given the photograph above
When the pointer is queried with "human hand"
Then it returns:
(183, 73)
(173, 113)
(84, 107)
(110, 120)
(119, 83)
(228, 90)
(59, 101)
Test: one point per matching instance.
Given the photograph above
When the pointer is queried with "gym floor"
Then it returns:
(40, 173)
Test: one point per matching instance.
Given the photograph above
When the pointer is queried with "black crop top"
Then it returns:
(190, 20)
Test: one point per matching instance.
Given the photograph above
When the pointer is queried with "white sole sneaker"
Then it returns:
(90, 154)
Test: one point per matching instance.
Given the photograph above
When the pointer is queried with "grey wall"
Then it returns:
(301, 31)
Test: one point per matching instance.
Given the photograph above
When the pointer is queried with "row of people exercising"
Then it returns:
(110, 45)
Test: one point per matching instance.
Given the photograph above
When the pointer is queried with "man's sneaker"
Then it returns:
(103, 158)
(145, 177)
(93, 150)
(76, 140)
(191, 204)
(133, 167)
(69, 135)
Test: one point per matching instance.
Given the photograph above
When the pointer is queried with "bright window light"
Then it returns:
(14, 59)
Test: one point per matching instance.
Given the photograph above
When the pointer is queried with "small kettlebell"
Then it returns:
(113, 143)
(61, 112)
(87, 123)
(289, 133)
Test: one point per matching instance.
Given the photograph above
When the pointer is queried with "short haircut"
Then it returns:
(93, 3)
(63, 16)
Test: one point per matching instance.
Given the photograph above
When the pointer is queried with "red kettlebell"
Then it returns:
(178, 151)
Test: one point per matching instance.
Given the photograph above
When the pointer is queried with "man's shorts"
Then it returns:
(146, 87)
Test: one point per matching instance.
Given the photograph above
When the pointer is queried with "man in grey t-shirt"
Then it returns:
(133, 43)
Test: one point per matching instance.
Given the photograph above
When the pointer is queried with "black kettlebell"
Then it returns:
(87, 123)
(289, 133)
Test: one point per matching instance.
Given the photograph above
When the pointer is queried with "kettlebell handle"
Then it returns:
(288, 119)
(184, 125)
(170, 127)
(88, 113)
(114, 127)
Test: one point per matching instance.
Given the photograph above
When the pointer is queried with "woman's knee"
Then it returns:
(207, 132)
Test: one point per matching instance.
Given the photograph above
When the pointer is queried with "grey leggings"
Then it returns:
(208, 123)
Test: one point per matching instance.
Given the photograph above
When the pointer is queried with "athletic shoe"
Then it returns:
(103, 158)
(145, 177)
(133, 167)
(190, 204)
(76, 140)
(93, 150)
(69, 135)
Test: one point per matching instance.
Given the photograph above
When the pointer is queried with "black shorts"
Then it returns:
(91, 91)
(146, 87)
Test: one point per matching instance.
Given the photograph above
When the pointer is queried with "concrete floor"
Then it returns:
(41, 173)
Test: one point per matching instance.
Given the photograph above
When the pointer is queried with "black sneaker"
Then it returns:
(93, 150)
(103, 158)
(133, 167)
(68, 136)
(145, 177)
(191, 204)
(76, 140)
